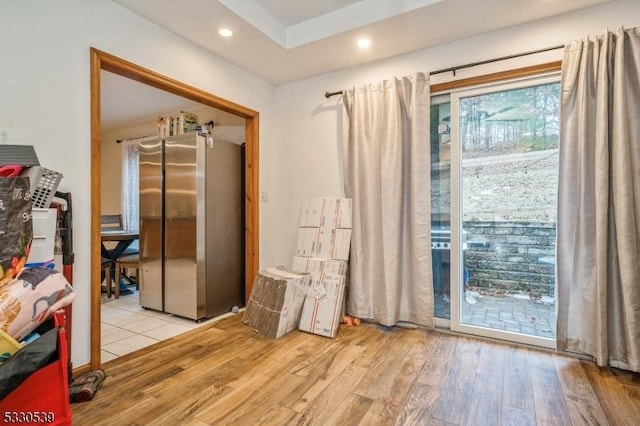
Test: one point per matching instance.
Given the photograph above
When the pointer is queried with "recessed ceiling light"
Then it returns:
(364, 43)
(225, 32)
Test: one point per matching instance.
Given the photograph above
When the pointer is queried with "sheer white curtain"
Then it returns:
(387, 173)
(599, 199)
(130, 184)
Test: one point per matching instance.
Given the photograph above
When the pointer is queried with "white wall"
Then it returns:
(310, 126)
(44, 99)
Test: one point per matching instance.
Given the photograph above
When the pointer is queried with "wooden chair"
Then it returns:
(131, 261)
(110, 221)
(106, 271)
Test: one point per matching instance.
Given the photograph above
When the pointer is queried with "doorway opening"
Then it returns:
(101, 61)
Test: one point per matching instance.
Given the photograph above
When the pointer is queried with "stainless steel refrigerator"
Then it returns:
(191, 226)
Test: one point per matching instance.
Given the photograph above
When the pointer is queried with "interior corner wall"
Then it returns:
(45, 100)
(310, 126)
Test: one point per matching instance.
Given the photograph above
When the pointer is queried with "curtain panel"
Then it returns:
(598, 238)
(130, 184)
(386, 154)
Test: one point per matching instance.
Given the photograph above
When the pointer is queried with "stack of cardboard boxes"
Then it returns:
(311, 294)
(324, 241)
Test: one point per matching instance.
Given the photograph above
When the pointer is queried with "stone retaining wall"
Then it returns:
(511, 256)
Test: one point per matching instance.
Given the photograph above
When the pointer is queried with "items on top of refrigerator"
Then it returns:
(184, 122)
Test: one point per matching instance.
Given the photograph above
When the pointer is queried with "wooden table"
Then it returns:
(124, 238)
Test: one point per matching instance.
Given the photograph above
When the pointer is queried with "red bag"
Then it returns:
(43, 398)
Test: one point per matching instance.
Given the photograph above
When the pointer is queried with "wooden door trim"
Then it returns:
(99, 61)
(496, 77)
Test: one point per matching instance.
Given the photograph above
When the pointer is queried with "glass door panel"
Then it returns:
(441, 207)
(505, 168)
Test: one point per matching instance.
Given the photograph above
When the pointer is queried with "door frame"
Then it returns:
(100, 61)
(457, 255)
(447, 87)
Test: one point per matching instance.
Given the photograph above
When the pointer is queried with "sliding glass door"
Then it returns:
(503, 149)
(441, 207)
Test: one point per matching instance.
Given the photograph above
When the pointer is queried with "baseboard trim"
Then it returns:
(81, 370)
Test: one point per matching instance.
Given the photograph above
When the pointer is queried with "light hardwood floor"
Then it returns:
(370, 375)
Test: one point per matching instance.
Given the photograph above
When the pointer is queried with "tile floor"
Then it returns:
(127, 327)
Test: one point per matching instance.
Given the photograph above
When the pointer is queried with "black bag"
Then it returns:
(28, 360)
(16, 227)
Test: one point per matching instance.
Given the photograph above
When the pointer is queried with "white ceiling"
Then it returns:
(287, 40)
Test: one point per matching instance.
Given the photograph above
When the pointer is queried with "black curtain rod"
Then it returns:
(474, 64)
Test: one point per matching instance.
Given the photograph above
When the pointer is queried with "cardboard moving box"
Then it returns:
(323, 307)
(325, 228)
(324, 304)
(276, 300)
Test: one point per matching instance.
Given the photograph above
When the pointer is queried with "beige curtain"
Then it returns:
(387, 173)
(599, 199)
